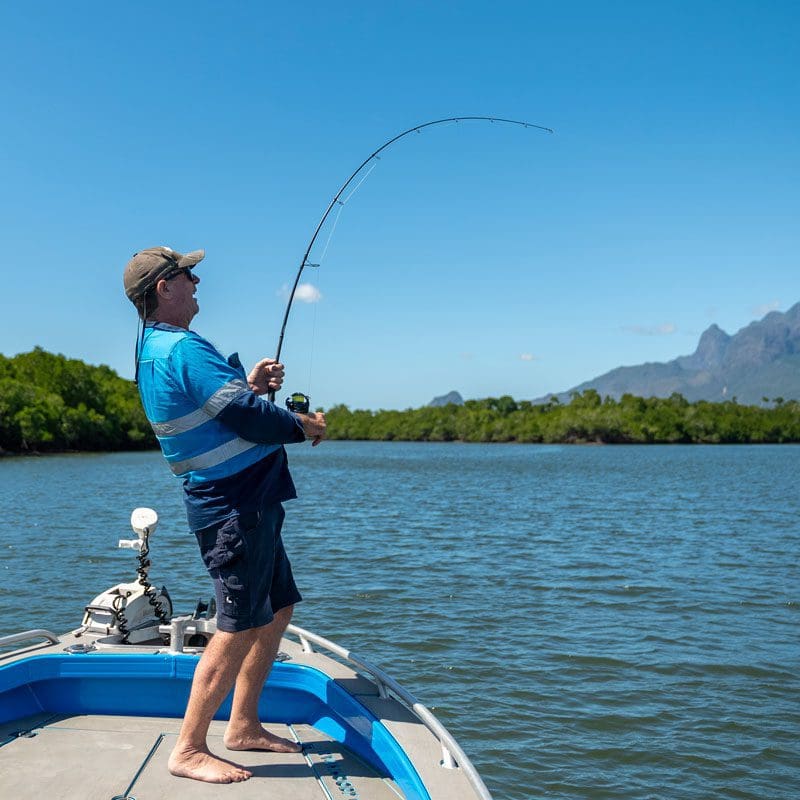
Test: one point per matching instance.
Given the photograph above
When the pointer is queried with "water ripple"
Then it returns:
(616, 622)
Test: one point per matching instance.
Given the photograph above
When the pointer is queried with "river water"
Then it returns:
(589, 622)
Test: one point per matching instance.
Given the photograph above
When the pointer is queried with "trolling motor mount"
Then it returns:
(132, 612)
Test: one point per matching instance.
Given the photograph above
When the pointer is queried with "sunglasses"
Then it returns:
(187, 271)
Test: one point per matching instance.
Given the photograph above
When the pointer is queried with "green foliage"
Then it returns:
(50, 403)
(587, 418)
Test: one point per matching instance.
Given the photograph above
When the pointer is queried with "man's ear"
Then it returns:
(162, 290)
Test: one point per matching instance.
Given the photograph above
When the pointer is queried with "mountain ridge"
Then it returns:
(760, 360)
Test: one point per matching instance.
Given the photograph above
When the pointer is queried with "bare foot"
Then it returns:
(201, 765)
(259, 739)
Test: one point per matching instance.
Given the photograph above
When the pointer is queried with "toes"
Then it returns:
(209, 769)
(237, 773)
(261, 740)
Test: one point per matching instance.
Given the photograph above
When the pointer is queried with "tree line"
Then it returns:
(49, 403)
(586, 418)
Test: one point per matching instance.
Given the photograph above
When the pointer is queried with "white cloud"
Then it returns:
(765, 308)
(527, 357)
(665, 329)
(308, 293)
(305, 292)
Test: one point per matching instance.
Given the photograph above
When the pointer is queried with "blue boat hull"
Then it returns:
(158, 684)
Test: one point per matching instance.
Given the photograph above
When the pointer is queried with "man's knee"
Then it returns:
(282, 617)
(226, 649)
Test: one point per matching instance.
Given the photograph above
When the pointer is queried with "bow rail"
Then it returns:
(453, 757)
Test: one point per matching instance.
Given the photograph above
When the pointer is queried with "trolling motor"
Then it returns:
(298, 402)
(132, 611)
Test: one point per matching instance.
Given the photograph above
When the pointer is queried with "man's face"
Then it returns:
(187, 289)
(179, 297)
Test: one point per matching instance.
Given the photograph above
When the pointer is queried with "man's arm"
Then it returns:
(203, 373)
(267, 376)
(314, 426)
(260, 421)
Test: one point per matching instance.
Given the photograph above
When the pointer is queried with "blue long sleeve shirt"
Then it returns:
(222, 439)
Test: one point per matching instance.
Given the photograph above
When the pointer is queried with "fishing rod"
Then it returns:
(298, 401)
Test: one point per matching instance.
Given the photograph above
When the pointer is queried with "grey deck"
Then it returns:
(99, 757)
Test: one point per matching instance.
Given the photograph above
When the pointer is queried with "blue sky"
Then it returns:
(484, 258)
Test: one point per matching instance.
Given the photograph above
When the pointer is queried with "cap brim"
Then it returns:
(190, 259)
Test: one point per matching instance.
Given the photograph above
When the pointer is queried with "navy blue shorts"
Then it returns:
(252, 575)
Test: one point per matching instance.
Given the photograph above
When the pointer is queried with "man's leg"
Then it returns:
(245, 731)
(213, 678)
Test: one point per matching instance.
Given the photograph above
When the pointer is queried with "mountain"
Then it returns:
(450, 397)
(761, 360)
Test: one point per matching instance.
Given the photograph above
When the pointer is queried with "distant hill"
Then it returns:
(445, 399)
(760, 360)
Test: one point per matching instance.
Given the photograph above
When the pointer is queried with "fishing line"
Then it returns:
(313, 335)
(341, 204)
(373, 157)
(330, 234)
(358, 185)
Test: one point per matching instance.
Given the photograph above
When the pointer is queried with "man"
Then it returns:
(226, 443)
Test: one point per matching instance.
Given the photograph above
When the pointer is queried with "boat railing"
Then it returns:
(24, 636)
(452, 754)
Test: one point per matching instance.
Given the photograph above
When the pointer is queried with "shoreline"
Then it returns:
(7, 454)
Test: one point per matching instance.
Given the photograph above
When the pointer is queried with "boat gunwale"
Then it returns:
(376, 744)
(453, 756)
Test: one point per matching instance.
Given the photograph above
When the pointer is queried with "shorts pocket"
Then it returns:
(222, 547)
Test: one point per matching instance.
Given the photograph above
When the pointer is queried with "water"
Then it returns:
(589, 622)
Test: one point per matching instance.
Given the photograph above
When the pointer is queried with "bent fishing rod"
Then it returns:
(298, 401)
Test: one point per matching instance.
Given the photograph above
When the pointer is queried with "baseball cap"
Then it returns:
(148, 267)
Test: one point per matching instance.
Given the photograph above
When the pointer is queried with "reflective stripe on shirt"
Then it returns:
(213, 458)
(210, 409)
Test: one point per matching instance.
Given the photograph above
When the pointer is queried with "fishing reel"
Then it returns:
(298, 402)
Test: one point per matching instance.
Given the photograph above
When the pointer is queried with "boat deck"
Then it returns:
(115, 712)
(98, 757)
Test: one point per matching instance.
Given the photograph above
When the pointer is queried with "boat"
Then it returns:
(93, 714)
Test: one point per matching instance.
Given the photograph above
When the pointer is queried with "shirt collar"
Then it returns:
(162, 326)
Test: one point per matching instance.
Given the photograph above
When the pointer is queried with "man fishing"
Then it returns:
(225, 441)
